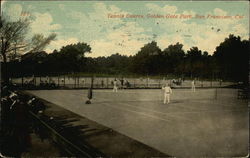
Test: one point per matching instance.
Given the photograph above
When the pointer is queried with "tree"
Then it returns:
(71, 58)
(12, 39)
(13, 42)
(117, 63)
(145, 61)
(174, 55)
(39, 42)
(194, 62)
(232, 56)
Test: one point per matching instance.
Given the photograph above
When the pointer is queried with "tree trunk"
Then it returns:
(5, 76)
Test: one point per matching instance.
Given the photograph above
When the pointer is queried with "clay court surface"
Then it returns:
(208, 122)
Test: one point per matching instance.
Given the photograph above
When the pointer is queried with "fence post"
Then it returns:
(134, 82)
(80, 80)
(22, 81)
(215, 93)
(58, 81)
(107, 83)
(147, 82)
(35, 80)
(64, 81)
(77, 82)
(74, 77)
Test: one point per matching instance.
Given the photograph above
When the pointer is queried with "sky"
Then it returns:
(125, 26)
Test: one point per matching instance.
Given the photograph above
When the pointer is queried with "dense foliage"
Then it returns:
(229, 61)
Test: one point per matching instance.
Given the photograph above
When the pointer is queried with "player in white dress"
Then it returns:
(167, 92)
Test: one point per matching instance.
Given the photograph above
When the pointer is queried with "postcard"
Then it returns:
(124, 78)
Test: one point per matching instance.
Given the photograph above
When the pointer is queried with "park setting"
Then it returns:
(124, 79)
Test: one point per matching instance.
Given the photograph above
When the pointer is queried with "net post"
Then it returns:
(216, 93)
(64, 81)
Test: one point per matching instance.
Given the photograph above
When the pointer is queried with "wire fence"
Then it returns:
(108, 82)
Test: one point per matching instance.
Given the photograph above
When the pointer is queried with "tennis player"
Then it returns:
(167, 92)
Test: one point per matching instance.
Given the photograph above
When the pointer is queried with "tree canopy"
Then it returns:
(14, 41)
(229, 61)
(232, 56)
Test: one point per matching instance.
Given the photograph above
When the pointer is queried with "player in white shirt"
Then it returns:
(115, 86)
(167, 92)
(193, 86)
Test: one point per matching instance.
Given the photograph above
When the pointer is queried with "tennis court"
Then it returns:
(208, 122)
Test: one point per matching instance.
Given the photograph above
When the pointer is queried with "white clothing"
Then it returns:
(167, 92)
(193, 86)
(167, 89)
(166, 97)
